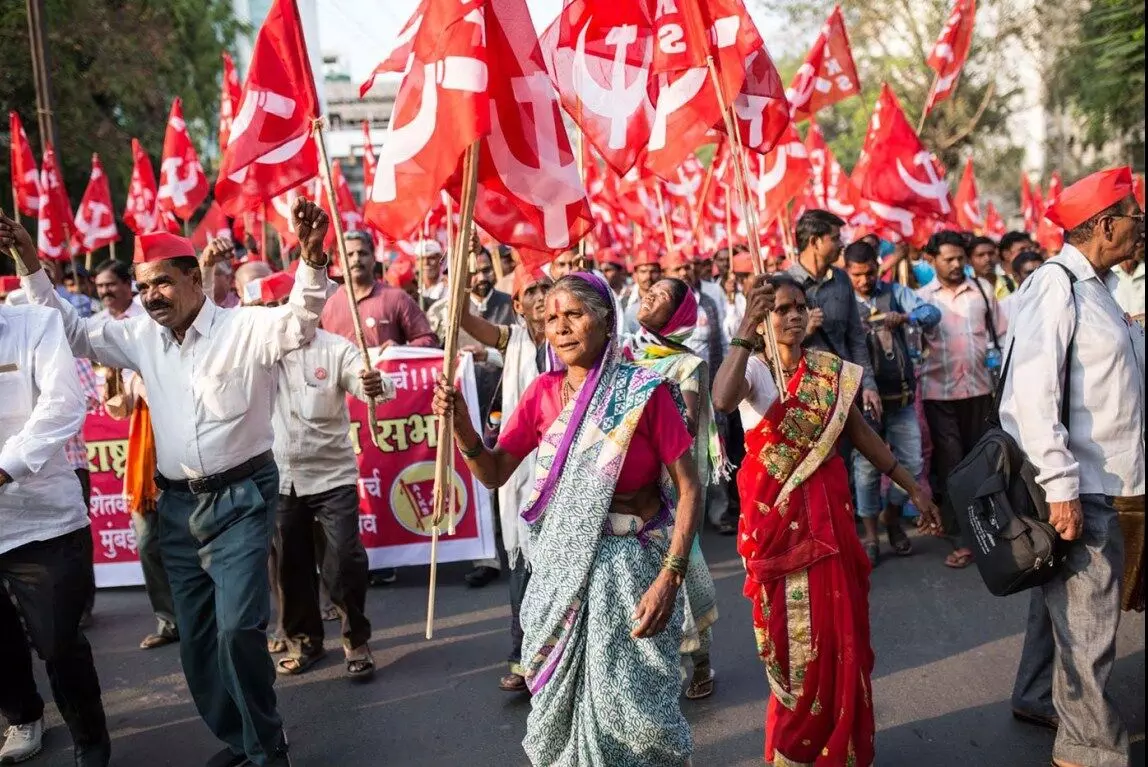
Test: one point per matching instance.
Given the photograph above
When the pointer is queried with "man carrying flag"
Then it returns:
(210, 375)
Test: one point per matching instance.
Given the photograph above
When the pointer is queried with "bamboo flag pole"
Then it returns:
(345, 265)
(580, 140)
(925, 110)
(666, 232)
(740, 175)
(444, 455)
(705, 193)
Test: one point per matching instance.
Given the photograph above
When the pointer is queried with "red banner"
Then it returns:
(395, 482)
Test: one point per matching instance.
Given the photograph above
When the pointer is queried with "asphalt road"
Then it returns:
(946, 655)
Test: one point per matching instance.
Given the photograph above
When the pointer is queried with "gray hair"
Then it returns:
(361, 236)
(601, 306)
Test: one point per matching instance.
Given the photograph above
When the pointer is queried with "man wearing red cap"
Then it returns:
(402, 273)
(210, 374)
(1071, 336)
(525, 356)
(647, 271)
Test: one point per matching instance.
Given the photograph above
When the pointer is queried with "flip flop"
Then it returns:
(958, 561)
(276, 645)
(900, 542)
(361, 666)
(512, 683)
(701, 689)
(292, 665)
(873, 551)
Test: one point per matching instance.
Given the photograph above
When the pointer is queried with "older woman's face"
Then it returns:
(573, 330)
(657, 306)
(789, 315)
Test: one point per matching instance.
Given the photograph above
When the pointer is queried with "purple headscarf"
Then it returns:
(581, 403)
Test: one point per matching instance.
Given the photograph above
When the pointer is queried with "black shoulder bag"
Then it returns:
(1002, 509)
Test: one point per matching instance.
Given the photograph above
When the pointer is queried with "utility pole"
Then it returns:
(40, 72)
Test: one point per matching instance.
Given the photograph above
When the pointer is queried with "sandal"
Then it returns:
(959, 560)
(293, 665)
(900, 542)
(873, 551)
(701, 688)
(361, 665)
(276, 645)
(512, 683)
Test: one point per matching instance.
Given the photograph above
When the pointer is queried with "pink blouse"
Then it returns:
(661, 437)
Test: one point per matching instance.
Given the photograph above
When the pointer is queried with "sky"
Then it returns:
(363, 31)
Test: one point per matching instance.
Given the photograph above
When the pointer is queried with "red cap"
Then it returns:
(159, 246)
(675, 258)
(645, 255)
(8, 284)
(401, 271)
(610, 256)
(1090, 196)
(742, 263)
(524, 278)
(275, 287)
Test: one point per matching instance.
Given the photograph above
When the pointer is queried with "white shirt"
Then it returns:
(1102, 450)
(43, 408)
(312, 428)
(210, 396)
(762, 393)
(734, 314)
(1129, 290)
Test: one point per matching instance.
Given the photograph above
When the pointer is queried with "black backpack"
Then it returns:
(1002, 510)
(892, 368)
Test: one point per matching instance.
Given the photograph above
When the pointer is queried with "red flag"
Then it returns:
(950, 52)
(781, 175)
(687, 105)
(229, 101)
(213, 225)
(271, 148)
(95, 219)
(833, 190)
(1028, 206)
(898, 170)
(441, 108)
(1055, 187)
(994, 224)
(25, 177)
(368, 158)
(529, 191)
(761, 108)
(349, 213)
(1138, 189)
(279, 214)
(599, 53)
(183, 184)
(967, 203)
(140, 208)
(54, 218)
(1048, 235)
(828, 74)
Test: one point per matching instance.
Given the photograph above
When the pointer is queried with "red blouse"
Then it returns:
(661, 437)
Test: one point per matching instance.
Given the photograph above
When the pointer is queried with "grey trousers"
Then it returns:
(1070, 645)
(146, 527)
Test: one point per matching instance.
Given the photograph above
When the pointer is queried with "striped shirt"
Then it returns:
(75, 449)
(954, 365)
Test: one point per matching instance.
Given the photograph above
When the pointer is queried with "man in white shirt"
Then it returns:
(319, 491)
(1129, 290)
(432, 280)
(45, 540)
(1081, 465)
(210, 375)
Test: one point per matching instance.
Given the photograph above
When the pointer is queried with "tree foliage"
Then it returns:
(1100, 76)
(115, 66)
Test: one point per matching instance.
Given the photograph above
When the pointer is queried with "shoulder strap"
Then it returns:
(1065, 390)
(988, 314)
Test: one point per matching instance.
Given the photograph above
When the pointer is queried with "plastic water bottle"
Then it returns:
(913, 342)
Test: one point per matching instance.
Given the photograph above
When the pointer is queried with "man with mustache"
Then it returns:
(210, 374)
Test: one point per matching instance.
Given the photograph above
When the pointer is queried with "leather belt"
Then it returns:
(216, 482)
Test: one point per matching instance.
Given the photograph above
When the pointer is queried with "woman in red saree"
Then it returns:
(806, 572)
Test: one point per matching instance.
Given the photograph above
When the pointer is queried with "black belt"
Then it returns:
(216, 482)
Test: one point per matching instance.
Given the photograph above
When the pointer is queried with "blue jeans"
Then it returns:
(903, 434)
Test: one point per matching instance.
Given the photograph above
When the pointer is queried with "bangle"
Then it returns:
(473, 452)
(324, 265)
(675, 564)
(896, 465)
(741, 343)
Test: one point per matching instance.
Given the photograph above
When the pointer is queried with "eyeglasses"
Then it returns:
(1137, 217)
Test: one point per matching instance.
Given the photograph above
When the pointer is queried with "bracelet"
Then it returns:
(675, 564)
(471, 453)
(503, 339)
(741, 343)
(896, 465)
(324, 265)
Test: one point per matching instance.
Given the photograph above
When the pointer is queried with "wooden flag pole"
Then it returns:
(925, 110)
(740, 174)
(112, 250)
(263, 239)
(345, 265)
(705, 193)
(457, 284)
(666, 233)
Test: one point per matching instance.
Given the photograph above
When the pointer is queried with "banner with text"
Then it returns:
(395, 486)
